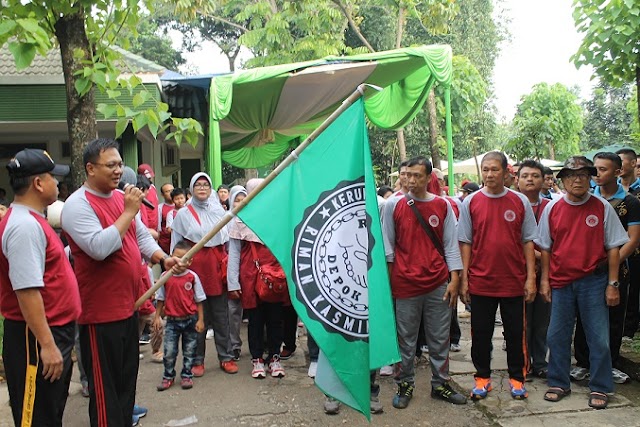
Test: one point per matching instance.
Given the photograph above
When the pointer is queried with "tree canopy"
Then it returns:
(547, 124)
(611, 43)
(85, 31)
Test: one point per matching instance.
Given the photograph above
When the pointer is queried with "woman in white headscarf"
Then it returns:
(192, 223)
(245, 249)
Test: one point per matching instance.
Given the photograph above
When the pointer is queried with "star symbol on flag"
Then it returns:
(324, 212)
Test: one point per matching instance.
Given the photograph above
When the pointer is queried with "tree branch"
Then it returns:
(353, 25)
(226, 21)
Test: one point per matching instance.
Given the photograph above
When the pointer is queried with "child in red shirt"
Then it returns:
(180, 299)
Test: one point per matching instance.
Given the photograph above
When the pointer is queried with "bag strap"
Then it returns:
(434, 239)
(194, 213)
(254, 254)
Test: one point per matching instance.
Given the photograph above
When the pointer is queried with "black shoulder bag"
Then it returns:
(434, 239)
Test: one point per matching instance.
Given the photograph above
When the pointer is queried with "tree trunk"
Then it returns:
(81, 111)
(433, 129)
(474, 150)
(638, 91)
(552, 151)
(402, 147)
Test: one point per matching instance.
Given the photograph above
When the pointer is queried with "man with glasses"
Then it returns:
(106, 236)
(579, 238)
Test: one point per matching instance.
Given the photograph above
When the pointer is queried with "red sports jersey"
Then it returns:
(109, 288)
(496, 227)
(179, 295)
(580, 226)
(60, 294)
(418, 267)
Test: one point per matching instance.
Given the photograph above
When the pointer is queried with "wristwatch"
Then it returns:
(615, 284)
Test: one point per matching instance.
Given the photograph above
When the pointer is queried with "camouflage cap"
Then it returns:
(575, 163)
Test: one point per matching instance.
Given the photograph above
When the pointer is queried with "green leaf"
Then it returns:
(23, 54)
(139, 121)
(82, 86)
(112, 94)
(152, 122)
(121, 125)
(140, 98)
(106, 110)
(7, 26)
(100, 78)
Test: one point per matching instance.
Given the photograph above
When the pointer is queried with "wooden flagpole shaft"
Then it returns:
(231, 214)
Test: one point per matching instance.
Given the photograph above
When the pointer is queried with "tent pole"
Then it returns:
(447, 107)
(213, 154)
(359, 92)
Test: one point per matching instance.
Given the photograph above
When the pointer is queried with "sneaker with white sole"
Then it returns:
(313, 368)
(276, 369)
(455, 348)
(258, 371)
(578, 374)
(209, 335)
(619, 377)
(386, 371)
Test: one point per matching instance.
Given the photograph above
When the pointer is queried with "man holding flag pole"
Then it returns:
(329, 242)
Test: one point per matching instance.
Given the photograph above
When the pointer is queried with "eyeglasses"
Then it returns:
(111, 165)
(202, 185)
(575, 176)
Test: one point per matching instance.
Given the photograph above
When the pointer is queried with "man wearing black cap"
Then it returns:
(35, 277)
(579, 239)
(468, 188)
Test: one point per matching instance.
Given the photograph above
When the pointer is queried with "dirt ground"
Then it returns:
(220, 399)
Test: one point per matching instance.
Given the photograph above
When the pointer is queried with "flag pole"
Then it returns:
(293, 156)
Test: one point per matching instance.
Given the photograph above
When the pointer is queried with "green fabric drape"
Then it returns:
(246, 138)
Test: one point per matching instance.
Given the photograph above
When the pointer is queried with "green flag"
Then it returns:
(320, 219)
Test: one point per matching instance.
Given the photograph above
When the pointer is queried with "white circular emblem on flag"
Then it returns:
(434, 221)
(331, 260)
(188, 286)
(509, 215)
(592, 220)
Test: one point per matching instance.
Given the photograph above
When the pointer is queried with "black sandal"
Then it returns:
(596, 395)
(559, 392)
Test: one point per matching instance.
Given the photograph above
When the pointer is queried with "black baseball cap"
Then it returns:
(32, 161)
(470, 187)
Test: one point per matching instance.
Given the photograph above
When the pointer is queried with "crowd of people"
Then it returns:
(562, 265)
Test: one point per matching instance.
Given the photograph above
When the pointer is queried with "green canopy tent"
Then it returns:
(256, 115)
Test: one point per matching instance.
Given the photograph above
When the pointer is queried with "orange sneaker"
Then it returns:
(482, 388)
(229, 366)
(517, 389)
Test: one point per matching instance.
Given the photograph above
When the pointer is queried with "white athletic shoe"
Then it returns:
(258, 371)
(313, 368)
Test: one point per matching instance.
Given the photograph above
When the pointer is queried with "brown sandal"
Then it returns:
(559, 392)
(596, 395)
